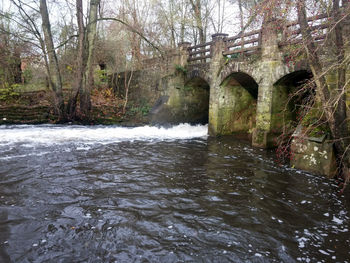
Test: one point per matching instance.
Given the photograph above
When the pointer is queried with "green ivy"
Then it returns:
(102, 75)
(27, 75)
(228, 58)
(315, 126)
(143, 109)
(7, 92)
(181, 69)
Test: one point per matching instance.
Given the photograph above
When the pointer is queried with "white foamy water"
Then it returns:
(51, 134)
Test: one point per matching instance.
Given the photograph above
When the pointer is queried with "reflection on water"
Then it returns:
(107, 194)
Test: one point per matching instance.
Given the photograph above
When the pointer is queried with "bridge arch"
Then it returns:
(290, 70)
(232, 67)
(195, 100)
(237, 101)
(289, 98)
(198, 73)
(183, 101)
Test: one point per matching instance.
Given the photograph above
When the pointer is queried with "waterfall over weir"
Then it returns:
(57, 134)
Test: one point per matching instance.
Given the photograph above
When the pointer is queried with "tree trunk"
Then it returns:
(72, 104)
(182, 32)
(183, 8)
(241, 21)
(332, 102)
(340, 113)
(85, 99)
(54, 74)
(126, 87)
(172, 24)
(241, 15)
(197, 9)
(136, 46)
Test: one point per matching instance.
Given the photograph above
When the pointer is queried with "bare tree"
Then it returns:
(72, 103)
(333, 100)
(54, 74)
(85, 92)
(197, 11)
(11, 48)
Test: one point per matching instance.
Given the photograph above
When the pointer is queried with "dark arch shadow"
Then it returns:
(197, 82)
(289, 96)
(246, 81)
(295, 78)
(185, 103)
(196, 100)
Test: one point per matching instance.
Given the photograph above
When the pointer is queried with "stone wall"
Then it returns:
(314, 156)
(164, 87)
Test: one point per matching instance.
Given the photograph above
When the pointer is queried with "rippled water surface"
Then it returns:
(108, 194)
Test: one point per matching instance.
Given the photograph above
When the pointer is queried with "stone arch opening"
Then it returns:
(194, 101)
(182, 102)
(237, 99)
(290, 98)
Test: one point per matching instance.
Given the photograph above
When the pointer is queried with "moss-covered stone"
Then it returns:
(282, 108)
(316, 157)
(186, 102)
(236, 109)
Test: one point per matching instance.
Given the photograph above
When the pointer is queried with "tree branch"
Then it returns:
(132, 29)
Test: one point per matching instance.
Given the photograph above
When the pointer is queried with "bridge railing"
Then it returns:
(200, 53)
(318, 25)
(250, 42)
(246, 43)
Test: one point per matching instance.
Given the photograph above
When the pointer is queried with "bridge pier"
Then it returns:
(262, 136)
(217, 59)
(270, 68)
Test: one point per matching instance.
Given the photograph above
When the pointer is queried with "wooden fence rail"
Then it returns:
(250, 42)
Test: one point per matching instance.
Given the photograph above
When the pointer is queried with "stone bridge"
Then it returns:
(239, 85)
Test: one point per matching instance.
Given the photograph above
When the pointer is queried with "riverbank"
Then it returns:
(35, 107)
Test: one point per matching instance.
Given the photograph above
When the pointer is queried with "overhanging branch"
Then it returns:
(132, 29)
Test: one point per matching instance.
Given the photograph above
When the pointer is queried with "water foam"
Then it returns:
(51, 134)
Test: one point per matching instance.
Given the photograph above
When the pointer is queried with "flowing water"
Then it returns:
(147, 194)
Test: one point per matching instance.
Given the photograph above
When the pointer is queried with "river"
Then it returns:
(148, 194)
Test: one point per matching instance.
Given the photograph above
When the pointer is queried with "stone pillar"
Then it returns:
(183, 53)
(218, 44)
(217, 60)
(270, 37)
(175, 83)
(271, 63)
